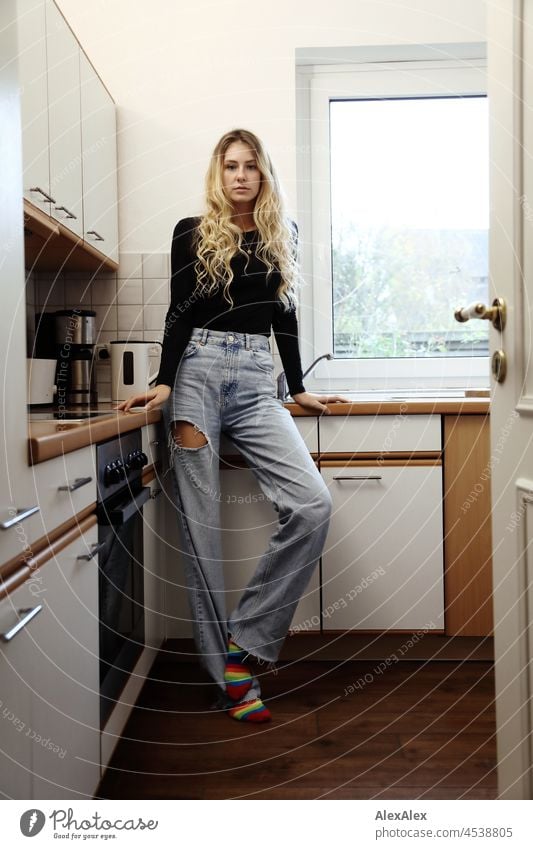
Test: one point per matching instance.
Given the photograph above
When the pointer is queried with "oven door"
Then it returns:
(121, 593)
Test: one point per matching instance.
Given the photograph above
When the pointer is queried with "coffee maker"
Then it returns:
(69, 337)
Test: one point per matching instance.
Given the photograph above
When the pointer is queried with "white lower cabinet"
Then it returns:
(66, 694)
(382, 566)
(49, 674)
(17, 656)
(248, 521)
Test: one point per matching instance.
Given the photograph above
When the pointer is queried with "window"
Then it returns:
(398, 223)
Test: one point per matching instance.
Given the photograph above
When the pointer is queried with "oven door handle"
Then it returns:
(122, 513)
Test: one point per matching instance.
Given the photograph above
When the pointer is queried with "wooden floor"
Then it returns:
(418, 730)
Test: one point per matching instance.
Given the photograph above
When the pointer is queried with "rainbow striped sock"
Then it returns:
(251, 711)
(237, 676)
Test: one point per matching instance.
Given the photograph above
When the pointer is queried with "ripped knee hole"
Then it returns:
(188, 435)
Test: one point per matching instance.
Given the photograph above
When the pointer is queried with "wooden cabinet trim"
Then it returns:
(467, 526)
(49, 246)
(377, 462)
(19, 564)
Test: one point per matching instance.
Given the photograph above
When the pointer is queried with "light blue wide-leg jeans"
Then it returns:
(225, 383)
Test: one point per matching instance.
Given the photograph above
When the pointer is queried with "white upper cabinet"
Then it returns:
(34, 102)
(63, 60)
(68, 130)
(99, 156)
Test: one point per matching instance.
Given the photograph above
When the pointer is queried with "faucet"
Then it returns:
(283, 392)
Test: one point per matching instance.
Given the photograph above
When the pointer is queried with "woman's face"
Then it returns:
(241, 177)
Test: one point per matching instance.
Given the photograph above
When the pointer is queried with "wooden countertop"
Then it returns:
(49, 439)
(410, 406)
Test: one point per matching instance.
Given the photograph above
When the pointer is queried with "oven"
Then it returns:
(121, 575)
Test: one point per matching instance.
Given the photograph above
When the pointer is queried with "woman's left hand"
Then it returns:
(317, 403)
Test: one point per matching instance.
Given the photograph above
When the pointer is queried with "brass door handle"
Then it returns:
(497, 313)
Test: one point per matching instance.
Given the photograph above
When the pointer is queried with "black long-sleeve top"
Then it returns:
(255, 307)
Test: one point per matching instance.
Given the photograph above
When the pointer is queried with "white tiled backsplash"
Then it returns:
(129, 304)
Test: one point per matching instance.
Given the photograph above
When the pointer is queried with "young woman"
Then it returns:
(234, 279)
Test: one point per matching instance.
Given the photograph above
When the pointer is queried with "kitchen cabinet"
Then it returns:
(380, 434)
(468, 529)
(60, 488)
(34, 102)
(49, 671)
(64, 120)
(99, 157)
(16, 482)
(382, 566)
(17, 656)
(69, 147)
(65, 677)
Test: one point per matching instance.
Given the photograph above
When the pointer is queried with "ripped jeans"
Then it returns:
(225, 383)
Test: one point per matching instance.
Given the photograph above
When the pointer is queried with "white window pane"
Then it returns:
(409, 190)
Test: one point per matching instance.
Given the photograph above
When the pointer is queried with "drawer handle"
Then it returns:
(19, 516)
(30, 613)
(356, 477)
(97, 236)
(78, 482)
(68, 213)
(155, 442)
(47, 197)
(96, 548)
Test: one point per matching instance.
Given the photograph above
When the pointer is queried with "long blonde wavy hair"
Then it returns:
(219, 239)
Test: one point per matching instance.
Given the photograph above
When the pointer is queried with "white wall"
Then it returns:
(182, 73)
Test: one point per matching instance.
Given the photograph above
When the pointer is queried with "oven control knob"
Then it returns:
(137, 459)
(114, 472)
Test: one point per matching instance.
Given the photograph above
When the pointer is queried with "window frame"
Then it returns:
(317, 86)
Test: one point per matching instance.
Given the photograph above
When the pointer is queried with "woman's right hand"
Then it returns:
(156, 396)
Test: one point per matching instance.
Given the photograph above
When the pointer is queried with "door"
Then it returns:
(64, 121)
(382, 562)
(99, 156)
(510, 51)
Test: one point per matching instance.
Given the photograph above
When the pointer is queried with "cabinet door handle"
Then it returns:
(30, 613)
(96, 548)
(69, 214)
(97, 236)
(47, 197)
(76, 485)
(356, 477)
(155, 492)
(19, 516)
